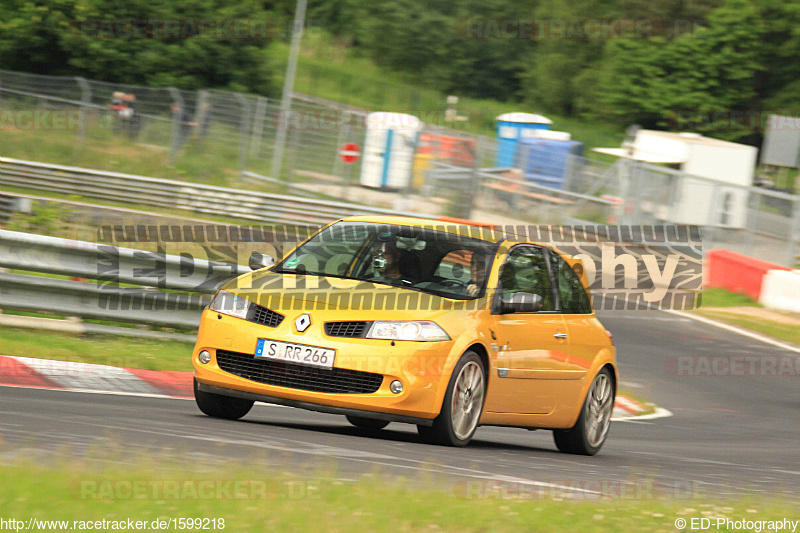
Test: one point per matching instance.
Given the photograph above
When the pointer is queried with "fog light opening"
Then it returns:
(396, 386)
(204, 357)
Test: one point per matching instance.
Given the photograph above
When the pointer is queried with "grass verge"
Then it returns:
(210, 163)
(749, 314)
(719, 297)
(332, 69)
(326, 69)
(254, 499)
(783, 332)
(20, 221)
(149, 354)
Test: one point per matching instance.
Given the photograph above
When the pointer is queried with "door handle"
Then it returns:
(560, 335)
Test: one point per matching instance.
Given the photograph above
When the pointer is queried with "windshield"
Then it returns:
(415, 258)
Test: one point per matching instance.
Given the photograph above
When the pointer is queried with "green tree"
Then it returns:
(490, 64)
(779, 83)
(31, 34)
(714, 69)
(190, 62)
(568, 45)
(86, 38)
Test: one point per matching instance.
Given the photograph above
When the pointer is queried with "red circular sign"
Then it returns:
(350, 152)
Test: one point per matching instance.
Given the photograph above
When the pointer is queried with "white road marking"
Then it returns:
(631, 384)
(630, 418)
(110, 392)
(344, 453)
(660, 412)
(786, 471)
(740, 331)
(651, 318)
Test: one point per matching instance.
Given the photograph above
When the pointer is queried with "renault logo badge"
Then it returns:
(302, 322)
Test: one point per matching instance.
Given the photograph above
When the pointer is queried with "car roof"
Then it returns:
(468, 228)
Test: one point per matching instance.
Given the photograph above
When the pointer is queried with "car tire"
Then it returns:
(589, 433)
(220, 406)
(462, 406)
(367, 423)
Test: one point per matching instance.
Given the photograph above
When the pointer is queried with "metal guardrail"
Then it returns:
(53, 255)
(445, 172)
(535, 187)
(88, 300)
(110, 266)
(569, 207)
(6, 207)
(169, 194)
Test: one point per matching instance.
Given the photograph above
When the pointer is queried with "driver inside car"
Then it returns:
(477, 269)
(386, 262)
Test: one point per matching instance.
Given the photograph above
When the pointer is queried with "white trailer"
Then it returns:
(715, 175)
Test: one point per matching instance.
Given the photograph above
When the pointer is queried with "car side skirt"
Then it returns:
(222, 391)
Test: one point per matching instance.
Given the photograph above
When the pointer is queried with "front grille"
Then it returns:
(265, 317)
(336, 380)
(347, 329)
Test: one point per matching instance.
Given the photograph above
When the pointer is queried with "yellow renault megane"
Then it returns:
(393, 319)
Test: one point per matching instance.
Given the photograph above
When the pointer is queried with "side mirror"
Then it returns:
(259, 260)
(522, 302)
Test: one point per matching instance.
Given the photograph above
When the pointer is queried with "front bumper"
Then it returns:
(422, 367)
(313, 406)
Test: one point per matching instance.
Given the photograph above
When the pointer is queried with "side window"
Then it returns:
(525, 270)
(570, 289)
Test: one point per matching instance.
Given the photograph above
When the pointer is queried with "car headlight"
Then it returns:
(407, 330)
(228, 303)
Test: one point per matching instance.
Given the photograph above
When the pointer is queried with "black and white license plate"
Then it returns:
(290, 352)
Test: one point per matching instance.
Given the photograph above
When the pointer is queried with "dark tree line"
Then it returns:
(183, 44)
(706, 65)
(687, 64)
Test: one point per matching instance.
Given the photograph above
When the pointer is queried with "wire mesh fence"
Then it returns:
(216, 137)
(749, 220)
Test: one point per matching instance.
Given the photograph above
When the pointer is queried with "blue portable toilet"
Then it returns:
(511, 129)
(546, 161)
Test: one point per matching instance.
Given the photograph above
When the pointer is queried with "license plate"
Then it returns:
(290, 352)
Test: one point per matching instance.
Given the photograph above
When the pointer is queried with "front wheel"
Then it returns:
(463, 403)
(589, 433)
(220, 406)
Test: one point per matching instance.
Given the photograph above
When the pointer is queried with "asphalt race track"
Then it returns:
(729, 434)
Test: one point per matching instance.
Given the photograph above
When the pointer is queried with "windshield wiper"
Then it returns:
(302, 272)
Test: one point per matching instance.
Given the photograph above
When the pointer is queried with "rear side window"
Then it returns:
(570, 289)
(525, 270)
